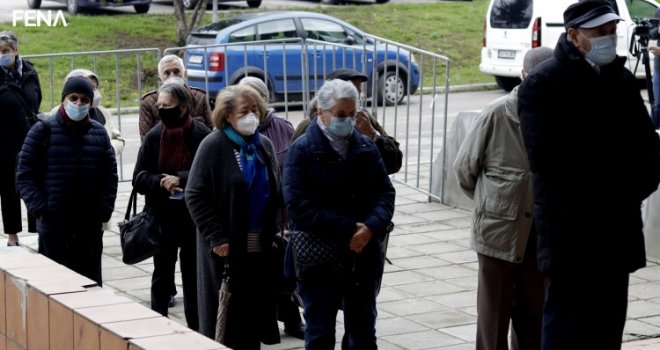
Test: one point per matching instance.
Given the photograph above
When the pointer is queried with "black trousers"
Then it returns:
(178, 234)
(585, 310)
(77, 248)
(9, 198)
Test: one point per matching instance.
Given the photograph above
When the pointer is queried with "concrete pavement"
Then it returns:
(428, 298)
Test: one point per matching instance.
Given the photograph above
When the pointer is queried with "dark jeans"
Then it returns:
(78, 249)
(179, 240)
(585, 310)
(322, 299)
(509, 293)
(9, 199)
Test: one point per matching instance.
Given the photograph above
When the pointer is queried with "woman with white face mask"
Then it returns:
(161, 173)
(20, 97)
(233, 197)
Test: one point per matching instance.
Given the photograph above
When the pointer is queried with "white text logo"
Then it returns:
(35, 18)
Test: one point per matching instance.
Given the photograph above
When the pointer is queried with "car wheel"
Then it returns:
(72, 6)
(189, 4)
(142, 8)
(34, 4)
(391, 89)
(507, 83)
(254, 3)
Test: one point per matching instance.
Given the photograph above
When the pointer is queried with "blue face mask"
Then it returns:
(6, 60)
(75, 112)
(603, 50)
(341, 127)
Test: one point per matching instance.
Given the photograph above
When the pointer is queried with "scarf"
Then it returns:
(255, 175)
(174, 153)
(15, 75)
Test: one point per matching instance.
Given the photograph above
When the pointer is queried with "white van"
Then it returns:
(512, 27)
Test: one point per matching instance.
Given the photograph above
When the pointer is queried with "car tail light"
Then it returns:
(484, 38)
(536, 33)
(217, 62)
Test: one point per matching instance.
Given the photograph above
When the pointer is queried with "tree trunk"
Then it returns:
(185, 25)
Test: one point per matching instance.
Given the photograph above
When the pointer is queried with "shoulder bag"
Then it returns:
(139, 233)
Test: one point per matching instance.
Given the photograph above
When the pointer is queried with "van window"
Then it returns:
(641, 9)
(511, 13)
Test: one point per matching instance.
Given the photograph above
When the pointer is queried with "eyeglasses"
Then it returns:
(83, 99)
(6, 37)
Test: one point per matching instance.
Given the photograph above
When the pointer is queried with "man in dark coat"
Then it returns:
(593, 164)
(67, 176)
(20, 97)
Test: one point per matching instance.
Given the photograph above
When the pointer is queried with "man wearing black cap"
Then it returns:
(67, 176)
(595, 157)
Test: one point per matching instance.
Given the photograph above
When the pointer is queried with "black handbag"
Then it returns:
(139, 233)
(314, 255)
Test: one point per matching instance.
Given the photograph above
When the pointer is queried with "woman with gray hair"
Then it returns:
(233, 194)
(336, 188)
(20, 97)
(161, 174)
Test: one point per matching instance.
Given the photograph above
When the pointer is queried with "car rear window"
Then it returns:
(513, 14)
(206, 35)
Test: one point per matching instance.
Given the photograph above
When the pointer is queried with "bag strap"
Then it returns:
(132, 201)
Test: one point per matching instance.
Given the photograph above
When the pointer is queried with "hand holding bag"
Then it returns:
(314, 254)
(139, 233)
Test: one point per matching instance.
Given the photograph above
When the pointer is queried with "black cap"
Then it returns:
(346, 74)
(589, 14)
(80, 85)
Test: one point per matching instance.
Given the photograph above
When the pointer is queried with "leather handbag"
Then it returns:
(314, 254)
(139, 233)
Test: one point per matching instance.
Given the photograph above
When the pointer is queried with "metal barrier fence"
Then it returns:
(404, 91)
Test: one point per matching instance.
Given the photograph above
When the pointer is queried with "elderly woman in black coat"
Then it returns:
(161, 173)
(233, 196)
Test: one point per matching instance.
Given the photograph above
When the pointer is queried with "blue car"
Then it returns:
(73, 6)
(300, 49)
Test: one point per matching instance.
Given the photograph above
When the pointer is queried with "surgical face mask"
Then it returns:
(6, 59)
(341, 127)
(247, 124)
(603, 50)
(75, 112)
(96, 101)
(175, 79)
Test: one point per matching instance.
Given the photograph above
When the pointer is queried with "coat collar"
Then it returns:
(320, 143)
(511, 105)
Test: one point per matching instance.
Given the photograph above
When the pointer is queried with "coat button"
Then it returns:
(528, 215)
(518, 259)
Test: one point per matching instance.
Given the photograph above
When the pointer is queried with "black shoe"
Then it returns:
(172, 302)
(295, 330)
(13, 244)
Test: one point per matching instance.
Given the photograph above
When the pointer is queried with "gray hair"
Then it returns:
(333, 91)
(181, 93)
(170, 58)
(535, 56)
(9, 38)
(256, 84)
(82, 72)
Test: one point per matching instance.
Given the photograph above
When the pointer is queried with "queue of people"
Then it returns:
(225, 184)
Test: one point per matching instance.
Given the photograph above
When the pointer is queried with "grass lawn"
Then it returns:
(451, 28)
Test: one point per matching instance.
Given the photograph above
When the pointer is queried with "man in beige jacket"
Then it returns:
(492, 168)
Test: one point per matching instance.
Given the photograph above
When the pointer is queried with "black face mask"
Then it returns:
(171, 117)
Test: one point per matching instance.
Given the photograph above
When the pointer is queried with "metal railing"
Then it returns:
(403, 92)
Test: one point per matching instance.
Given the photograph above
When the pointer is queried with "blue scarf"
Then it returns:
(255, 175)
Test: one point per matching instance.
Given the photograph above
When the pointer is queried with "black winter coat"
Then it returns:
(20, 102)
(594, 156)
(68, 176)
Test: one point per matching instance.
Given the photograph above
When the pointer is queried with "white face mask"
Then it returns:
(247, 124)
(175, 79)
(97, 99)
(75, 112)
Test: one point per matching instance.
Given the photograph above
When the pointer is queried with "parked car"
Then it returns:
(512, 27)
(73, 6)
(336, 44)
(190, 4)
